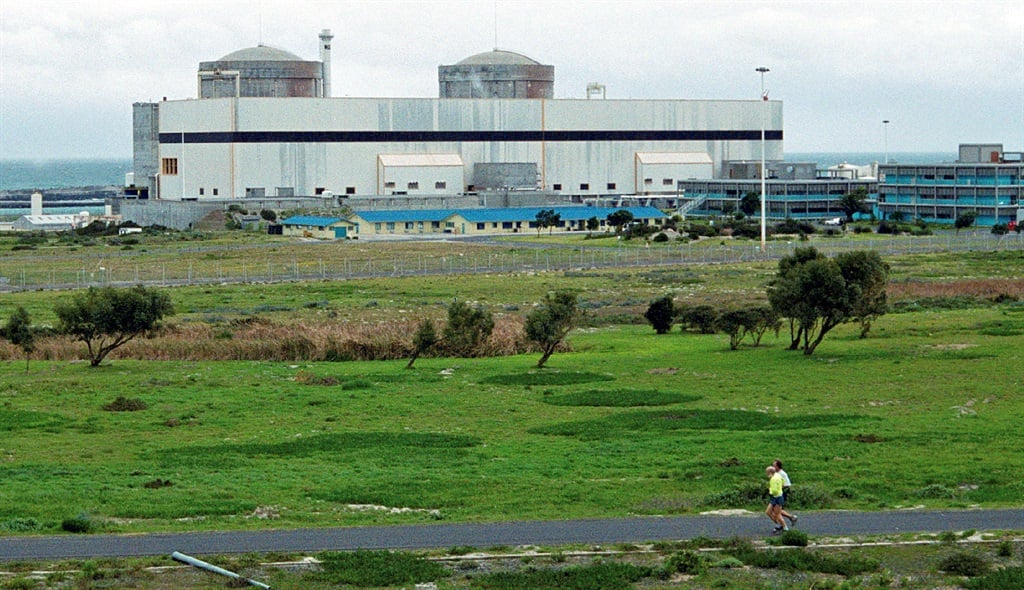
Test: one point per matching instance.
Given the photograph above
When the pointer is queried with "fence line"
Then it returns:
(529, 258)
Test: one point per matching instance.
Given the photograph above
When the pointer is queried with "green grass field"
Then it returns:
(924, 412)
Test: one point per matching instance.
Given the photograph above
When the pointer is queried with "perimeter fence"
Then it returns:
(205, 265)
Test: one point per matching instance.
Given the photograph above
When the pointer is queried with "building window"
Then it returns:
(481, 226)
(376, 227)
(435, 225)
(648, 181)
(169, 167)
(409, 225)
(202, 191)
(391, 226)
(216, 191)
(389, 184)
(350, 190)
(557, 187)
(611, 186)
(584, 186)
(413, 186)
(440, 185)
(666, 181)
(319, 190)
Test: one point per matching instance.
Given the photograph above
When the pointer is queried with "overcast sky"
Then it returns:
(943, 73)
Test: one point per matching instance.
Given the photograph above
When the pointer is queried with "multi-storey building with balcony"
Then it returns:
(985, 180)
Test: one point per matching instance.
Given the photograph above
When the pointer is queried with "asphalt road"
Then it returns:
(483, 536)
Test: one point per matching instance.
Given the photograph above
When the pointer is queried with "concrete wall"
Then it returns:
(145, 144)
(319, 160)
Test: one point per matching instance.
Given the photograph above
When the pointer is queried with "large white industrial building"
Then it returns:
(266, 127)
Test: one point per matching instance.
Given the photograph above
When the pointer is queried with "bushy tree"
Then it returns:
(19, 331)
(699, 317)
(619, 219)
(750, 203)
(661, 313)
(817, 294)
(735, 323)
(765, 319)
(549, 324)
(867, 277)
(965, 220)
(106, 318)
(547, 218)
(749, 321)
(593, 224)
(467, 328)
(854, 202)
(423, 340)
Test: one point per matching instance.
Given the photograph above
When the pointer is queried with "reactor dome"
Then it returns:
(261, 71)
(496, 74)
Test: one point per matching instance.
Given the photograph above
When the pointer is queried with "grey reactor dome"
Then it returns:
(261, 71)
(496, 74)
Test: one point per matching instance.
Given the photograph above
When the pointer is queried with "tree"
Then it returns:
(782, 300)
(854, 202)
(467, 328)
(750, 203)
(19, 331)
(593, 224)
(867, 276)
(965, 220)
(700, 318)
(107, 318)
(812, 291)
(423, 340)
(549, 324)
(661, 313)
(547, 218)
(736, 323)
(765, 319)
(620, 218)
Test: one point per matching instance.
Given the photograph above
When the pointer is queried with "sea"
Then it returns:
(48, 174)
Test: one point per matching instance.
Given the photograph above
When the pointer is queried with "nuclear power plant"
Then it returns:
(265, 125)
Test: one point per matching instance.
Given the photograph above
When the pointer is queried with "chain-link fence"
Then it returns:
(212, 265)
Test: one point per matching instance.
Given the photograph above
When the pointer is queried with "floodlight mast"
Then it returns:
(764, 98)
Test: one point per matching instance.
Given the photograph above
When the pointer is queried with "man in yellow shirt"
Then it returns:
(774, 510)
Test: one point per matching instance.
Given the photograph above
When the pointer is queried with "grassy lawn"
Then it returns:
(924, 412)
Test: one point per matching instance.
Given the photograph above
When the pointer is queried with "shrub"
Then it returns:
(687, 562)
(792, 226)
(936, 490)
(79, 524)
(21, 525)
(661, 237)
(963, 563)
(802, 560)
(1005, 549)
(607, 576)
(701, 318)
(377, 568)
(660, 314)
(123, 404)
(791, 538)
(1010, 577)
(738, 497)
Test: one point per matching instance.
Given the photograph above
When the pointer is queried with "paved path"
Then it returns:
(482, 536)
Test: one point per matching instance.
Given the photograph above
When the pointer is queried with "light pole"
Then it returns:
(885, 136)
(764, 98)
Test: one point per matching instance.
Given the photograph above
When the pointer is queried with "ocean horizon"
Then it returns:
(62, 173)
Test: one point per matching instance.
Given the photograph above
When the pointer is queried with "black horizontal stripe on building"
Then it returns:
(461, 136)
